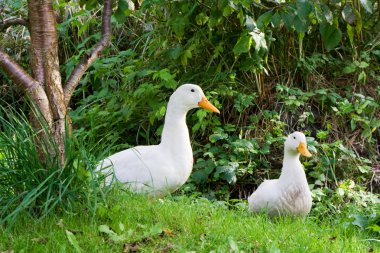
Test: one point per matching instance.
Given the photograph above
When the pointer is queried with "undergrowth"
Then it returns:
(32, 180)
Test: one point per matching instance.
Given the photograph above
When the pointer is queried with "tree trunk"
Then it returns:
(44, 85)
(45, 67)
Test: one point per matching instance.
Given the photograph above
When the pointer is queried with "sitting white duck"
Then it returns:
(160, 169)
(290, 194)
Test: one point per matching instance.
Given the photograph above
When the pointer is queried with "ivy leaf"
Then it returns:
(199, 176)
(367, 5)
(243, 44)
(227, 172)
(331, 35)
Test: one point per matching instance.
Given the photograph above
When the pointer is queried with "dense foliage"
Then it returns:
(270, 66)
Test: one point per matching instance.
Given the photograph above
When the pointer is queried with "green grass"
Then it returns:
(190, 225)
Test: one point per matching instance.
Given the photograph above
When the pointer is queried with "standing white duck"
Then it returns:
(160, 169)
(290, 194)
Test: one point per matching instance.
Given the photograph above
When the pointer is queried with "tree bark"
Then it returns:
(44, 86)
(45, 66)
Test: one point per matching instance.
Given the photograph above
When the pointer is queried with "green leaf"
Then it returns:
(113, 236)
(227, 172)
(300, 24)
(360, 221)
(304, 8)
(287, 18)
(350, 33)
(73, 241)
(123, 10)
(199, 176)
(367, 5)
(362, 77)
(275, 20)
(349, 69)
(331, 35)
(263, 21)
(348, 15)
(186, 55)
(178, 25)
(201, 19)
(363, 65)
(243, 44)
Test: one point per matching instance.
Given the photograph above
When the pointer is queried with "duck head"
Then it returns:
(296, 144)
(190, 96)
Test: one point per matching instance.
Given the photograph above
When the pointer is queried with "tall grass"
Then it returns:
(40, 186)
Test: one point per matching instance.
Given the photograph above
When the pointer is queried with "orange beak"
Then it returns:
(302, 149)
(204, 103)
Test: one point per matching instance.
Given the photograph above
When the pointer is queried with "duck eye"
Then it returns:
(294, 137)
(192, 90)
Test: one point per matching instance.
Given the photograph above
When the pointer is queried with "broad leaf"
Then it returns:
(263, 21)
(243, 44)
(331, 35)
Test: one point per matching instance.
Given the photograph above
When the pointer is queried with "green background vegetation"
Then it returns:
(271, 68)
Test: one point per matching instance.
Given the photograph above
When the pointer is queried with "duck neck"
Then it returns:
(292, 170)
(175, 134)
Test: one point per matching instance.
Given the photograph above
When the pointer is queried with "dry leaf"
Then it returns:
(41, 240)
(167, 248)
(167, 232)
(130, 247)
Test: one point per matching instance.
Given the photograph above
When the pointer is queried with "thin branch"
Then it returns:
(13, 21)
(90, 57)
(16, 73)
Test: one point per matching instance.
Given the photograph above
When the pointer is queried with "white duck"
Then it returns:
(290, 194)
(163, 168)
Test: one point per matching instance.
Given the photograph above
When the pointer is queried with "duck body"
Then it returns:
(160, 169)
(290, 193)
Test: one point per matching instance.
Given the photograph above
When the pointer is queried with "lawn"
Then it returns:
(131, 223)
